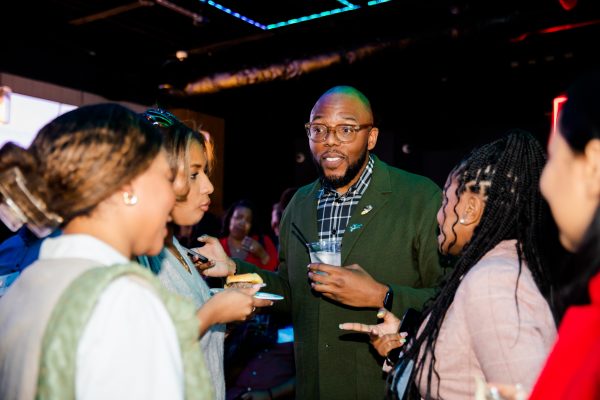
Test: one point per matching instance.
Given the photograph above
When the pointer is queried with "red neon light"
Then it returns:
(555, 29)
(557, 104)
(568, 5)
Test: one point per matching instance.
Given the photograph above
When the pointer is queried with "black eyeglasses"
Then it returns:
(344, 133)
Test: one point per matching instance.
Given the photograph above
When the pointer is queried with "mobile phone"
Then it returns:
(410, 325)
(196, 254)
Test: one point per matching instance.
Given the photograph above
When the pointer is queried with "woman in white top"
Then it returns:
(190, 157)
(70, 326)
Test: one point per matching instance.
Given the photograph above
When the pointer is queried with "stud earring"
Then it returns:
(462, 221)
(130, 199)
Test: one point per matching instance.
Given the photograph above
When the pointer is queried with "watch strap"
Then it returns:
(388, 300)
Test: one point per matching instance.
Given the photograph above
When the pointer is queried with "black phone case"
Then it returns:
(200, 256)
(409, 324)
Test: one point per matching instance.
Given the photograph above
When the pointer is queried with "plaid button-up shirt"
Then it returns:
(334, 210)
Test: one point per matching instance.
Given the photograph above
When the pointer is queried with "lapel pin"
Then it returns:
(354, 227)
(366, 209)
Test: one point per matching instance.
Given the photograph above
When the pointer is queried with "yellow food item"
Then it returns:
(243, 280)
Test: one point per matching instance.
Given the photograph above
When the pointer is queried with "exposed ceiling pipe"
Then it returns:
(196, 18)
(111, 12)
(283, 71)
(295, 68)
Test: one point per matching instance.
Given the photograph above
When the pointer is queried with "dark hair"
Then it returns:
(507, 173)
(177, 139)
(245, 203)
(578, 124)
(83, 156)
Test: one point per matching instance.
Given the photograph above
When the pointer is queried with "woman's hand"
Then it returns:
(390, 324)
(212, 249)
(201, 266)
(230, 305)
(494, 391)
(254, 247)
(386, 343)
(384, 336)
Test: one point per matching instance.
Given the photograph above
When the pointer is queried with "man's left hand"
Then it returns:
(350, 285)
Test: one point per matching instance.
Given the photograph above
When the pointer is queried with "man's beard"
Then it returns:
(337, 182)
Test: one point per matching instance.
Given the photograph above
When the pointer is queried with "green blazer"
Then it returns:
(395, 242)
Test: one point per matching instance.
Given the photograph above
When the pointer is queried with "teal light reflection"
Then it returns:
(348, 7)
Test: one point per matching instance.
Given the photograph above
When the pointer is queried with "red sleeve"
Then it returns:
(225, 245)
(573, 368)
(271, 250)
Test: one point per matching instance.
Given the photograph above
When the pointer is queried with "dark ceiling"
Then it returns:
(441, 75)
(125, 49)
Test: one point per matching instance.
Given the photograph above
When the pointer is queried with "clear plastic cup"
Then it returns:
(326, 252)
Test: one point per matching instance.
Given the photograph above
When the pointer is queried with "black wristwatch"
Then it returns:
(388, 300)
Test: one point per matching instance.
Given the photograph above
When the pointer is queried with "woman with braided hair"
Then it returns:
(491, 318)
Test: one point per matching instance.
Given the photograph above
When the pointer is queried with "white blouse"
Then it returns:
(129, 348)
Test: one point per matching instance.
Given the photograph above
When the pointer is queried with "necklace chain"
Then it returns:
(181, 260)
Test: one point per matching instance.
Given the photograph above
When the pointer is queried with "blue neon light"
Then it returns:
(375, 2)
(348, 7)
(311, 17)
(235, 14)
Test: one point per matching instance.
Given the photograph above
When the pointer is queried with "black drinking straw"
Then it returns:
(298, 233)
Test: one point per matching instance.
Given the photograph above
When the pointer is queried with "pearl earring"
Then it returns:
(130, 199)
(462, 221)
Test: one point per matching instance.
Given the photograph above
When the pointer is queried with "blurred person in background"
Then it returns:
(278, 209)
(240, 241)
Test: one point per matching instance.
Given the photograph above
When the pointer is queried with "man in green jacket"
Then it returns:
(386, 218)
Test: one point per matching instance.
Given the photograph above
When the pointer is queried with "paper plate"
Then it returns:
(258, 295)
(268, 296)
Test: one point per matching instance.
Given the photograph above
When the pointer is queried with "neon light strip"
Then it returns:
(235, 14)
(375, 2)
(348, 7)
